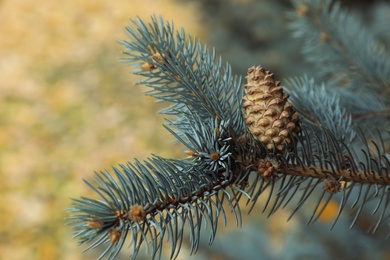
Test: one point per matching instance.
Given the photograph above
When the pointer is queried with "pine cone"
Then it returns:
(268, 114)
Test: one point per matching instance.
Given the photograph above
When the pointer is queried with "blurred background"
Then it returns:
(68, 107)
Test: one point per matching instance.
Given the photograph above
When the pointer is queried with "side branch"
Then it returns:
(206, 190)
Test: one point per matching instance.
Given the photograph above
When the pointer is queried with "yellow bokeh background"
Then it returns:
(68, 107)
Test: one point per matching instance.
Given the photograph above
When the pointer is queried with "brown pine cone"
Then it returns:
(268, 114)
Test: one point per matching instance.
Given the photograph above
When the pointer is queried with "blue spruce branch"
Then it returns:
(231, 157)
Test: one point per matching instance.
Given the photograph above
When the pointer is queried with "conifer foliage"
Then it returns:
(326, 150)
